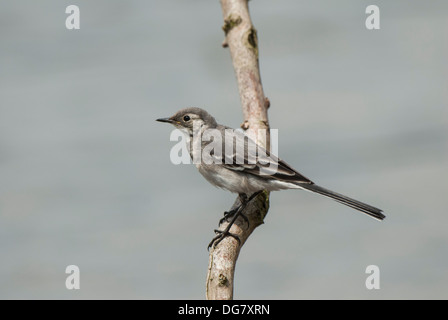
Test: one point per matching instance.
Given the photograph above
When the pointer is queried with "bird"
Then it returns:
(247, 170)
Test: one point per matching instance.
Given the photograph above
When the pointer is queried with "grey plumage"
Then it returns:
(254, 170)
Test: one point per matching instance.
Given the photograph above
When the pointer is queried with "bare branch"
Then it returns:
(241, 39)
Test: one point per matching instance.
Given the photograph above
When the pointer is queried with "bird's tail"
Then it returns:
(355, 204)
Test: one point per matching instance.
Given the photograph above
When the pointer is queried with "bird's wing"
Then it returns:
(243, 154)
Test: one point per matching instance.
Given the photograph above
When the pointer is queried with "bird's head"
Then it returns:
(191, 118)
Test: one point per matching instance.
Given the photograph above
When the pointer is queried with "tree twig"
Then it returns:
(241, 39)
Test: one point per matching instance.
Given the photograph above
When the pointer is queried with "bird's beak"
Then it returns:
(167, 120)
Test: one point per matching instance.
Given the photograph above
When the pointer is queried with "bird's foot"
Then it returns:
(228, 215)
(234, 214)
(231, 214)
(220, 236)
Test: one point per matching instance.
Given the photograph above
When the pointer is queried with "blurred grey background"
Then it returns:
(85, 173)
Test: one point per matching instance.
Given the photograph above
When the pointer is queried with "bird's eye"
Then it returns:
(186, 118)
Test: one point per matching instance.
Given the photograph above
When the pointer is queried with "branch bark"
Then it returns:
(241, 39)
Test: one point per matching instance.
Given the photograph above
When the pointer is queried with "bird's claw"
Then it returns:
(220, 236)
(231, 213)
(234, 214)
